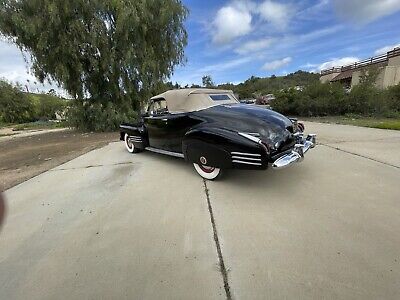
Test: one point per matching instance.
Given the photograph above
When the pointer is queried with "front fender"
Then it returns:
(216, 145)
(135, 130)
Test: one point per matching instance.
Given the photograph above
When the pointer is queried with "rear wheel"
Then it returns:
(207, 172)
(129, 144)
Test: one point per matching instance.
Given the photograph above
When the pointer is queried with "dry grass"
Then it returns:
(382, 123)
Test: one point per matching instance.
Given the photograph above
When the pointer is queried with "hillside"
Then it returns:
(17, 106)
(260, 86)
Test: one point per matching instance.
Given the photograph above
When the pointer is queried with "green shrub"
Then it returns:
(15, 106)
(287, 102)
(46, 106)
(315, 100)
(331, 100)
(393, 98)
(87, 116)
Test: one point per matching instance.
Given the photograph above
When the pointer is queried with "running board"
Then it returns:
(170, 153)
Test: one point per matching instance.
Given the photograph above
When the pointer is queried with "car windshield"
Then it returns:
(220, 97)
(158, 107)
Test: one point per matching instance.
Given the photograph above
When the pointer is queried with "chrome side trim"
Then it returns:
(250, 137)
(135, 139)
(256, 134)
(245, 154)
(170, 153)
(246, 162)
(246, 158)
(127, 127)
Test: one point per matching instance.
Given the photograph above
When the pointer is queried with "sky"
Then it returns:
(236, 39)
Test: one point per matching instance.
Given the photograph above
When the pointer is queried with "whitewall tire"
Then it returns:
(207, 172)
(129, 145)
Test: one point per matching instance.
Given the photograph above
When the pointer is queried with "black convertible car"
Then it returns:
(212, 130)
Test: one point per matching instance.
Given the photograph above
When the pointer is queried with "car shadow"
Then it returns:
(288, 178)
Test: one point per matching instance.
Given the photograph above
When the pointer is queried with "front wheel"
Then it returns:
(129, 144)
(207, 172)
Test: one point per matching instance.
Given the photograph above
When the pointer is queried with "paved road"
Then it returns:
(113, 225)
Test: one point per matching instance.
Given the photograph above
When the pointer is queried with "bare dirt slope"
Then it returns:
(27, 156)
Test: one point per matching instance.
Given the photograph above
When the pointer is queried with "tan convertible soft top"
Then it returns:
(187, 100)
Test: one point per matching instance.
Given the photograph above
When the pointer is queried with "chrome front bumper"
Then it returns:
(297, 155)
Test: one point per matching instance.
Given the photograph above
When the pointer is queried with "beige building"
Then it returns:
(387, 65)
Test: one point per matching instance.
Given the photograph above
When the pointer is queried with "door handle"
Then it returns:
(164, 120)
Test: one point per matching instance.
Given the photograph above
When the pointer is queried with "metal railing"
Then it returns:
(359, 64)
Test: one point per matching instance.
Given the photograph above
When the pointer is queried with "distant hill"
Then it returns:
(255, 86)
(17, 106)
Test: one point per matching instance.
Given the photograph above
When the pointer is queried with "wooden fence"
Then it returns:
(367, 62)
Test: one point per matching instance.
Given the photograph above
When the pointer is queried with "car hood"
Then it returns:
(272, 127)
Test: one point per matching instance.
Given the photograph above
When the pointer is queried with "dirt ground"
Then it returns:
(22, 158)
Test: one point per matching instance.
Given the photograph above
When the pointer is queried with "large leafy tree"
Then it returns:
(99, 50)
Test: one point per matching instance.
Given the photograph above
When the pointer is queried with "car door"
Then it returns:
(165, 130)
(155, 123)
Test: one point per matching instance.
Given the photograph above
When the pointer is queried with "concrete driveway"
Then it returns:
(110, 225)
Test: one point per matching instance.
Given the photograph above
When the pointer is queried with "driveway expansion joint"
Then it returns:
(359, 155)
(92, 166)
(222, 267)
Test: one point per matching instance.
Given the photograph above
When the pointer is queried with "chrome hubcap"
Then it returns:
(207, 169)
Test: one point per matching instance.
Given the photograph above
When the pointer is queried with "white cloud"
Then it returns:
(318, 33)
(308, 66)
(19, 74)
(231, 22)
(365, 11)
(385, 49)
(193, 74)
(277, 64)
(225, 65)
(235, 20)
(14, 69)
(336, 62)
(315, 10)
(277, 14)
(253, 46)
